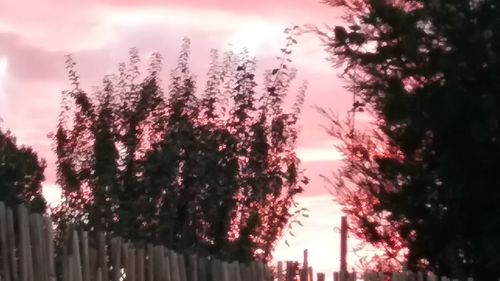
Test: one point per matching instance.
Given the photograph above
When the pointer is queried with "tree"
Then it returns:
(21, 174)
(426, 178)
(214, 173)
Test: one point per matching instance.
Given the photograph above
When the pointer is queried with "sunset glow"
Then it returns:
(33, 43)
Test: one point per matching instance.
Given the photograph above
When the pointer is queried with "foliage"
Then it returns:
(21, 175)
(426, 178)
(214, 173)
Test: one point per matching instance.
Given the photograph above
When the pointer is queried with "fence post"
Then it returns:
(304, 274)
(3, 243)
(343, 244)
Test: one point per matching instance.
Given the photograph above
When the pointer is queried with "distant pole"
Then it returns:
(343, 244)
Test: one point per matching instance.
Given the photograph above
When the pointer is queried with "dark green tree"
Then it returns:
(21, 174)
(214, 173)
(429, 173)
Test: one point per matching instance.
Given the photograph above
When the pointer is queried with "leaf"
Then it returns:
(274, 71)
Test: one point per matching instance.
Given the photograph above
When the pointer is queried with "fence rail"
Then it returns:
(27, 254)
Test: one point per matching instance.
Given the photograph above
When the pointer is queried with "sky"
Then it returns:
(36, 34)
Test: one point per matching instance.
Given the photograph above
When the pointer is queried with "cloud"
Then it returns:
(30, 62)
(3, 75)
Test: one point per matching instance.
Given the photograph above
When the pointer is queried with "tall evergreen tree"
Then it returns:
(427, 179)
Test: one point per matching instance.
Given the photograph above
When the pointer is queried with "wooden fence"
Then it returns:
(27, 254)
(302, 271)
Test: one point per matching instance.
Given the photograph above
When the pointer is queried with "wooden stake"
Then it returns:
(3, 243)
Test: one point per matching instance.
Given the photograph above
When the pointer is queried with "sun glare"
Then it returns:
(52, 194)
(315, 154)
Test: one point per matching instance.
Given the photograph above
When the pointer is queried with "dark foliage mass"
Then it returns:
(21, 174)
(210, 171)
(425, 185)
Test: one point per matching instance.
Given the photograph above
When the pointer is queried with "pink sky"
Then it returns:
(36, 34)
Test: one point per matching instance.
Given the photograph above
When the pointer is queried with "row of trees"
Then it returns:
(214, 172)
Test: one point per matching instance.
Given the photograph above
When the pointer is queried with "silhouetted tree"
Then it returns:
(214, 173)
(21, 174)
(427, 178)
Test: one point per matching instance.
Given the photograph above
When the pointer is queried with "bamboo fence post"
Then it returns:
(23, 248)
(140, 264)
(260, 271)
(76, 257)
(93, 262)
(279, 271)
(69, 268)
(305, 265)
(336, 276)
(244, 272)
(102, 257)
(352, 276)
(269, 274)
(237, 272)
(11, 241)
(84, 239)
(230, 271)
(182, 267)
(202, 270)
(124, 260)
(131, 266)
(158, 263)
(289, 271)
(49, 236)
(254, 271)
(3, 243)
(311, 273)
(214, 270)
(98, 274)
(431, 277)
(39, 265)
(420, 276)
(150, 263)
(174, 266)
(320, 276)
(167, 264)
(115, 258)
(193, 268)
(343, 275)
(225, 271)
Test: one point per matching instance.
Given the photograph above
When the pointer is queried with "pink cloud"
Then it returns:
(30, 62)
